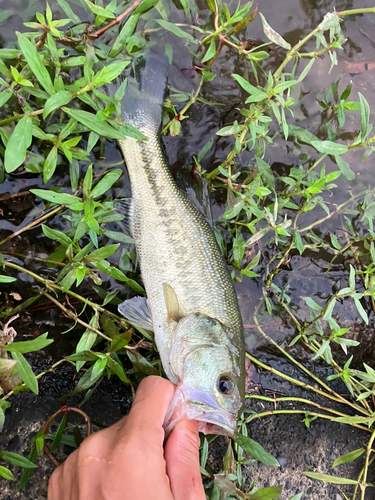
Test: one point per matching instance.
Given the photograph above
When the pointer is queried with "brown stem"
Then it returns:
(32, 224)
(64, 410)
(118, 19)
(70, 314)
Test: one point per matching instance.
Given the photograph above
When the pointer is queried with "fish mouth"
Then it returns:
(201, 406)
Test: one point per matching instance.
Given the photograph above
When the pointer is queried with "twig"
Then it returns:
(32, 224)
(365, 467)
(118, 19)
(70, 314)
(64, 410)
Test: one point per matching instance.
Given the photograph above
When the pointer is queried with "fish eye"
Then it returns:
(226, 386)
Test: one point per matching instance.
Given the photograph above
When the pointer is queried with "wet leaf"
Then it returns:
(348, 457)
(298, 242)
(55, 235)
(5, 95)
(16, 459)
(25, 372)
(329, 309)
(366, 127)
(329, 479)
(90, 377)
(115, 235)
(100, 11)
(272, 35)
(256, 451)
(29, 345)
(34, 60)
(117, 368)
(110, 72)
(20, 140)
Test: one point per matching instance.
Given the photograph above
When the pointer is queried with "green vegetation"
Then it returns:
(51, 100)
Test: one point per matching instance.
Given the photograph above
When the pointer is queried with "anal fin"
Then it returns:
(137, 312)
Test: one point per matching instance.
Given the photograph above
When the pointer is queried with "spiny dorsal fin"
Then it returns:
(171, 302)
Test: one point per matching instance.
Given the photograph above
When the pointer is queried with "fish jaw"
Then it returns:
(193, 404)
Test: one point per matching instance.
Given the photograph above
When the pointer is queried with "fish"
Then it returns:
(191, 303)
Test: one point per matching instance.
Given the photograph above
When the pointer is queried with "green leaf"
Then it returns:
(6, 474)
(329, 479)
(256, 451)
(90, 377)
(124, 35)
(141, 363)
(100, 11)
(298, 242)
(15, 459)
(328, 312)
(361, 311)
(312, 304)
(5, 95)
(109, 73)
(250, 89)
(210, 53)
(20, 140)
(352, 278)
(176, 30)
(58, 198)
(345, 168)
(68, 11)
(28, 472)
(267, 493)
(272, 35)
(302, 134)
(365, 117)
(34, 60)
(55, 235)
(335, 242)
(29, 345)
(329, 147)
(55, 101)
(49, 166)
(123, 238)
(348, 457)
(101, 128)
(58, 435)
(106, 182)
(25, 372)
(6, 279)
(102, 253)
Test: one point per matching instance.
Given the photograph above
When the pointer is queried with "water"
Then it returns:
(310, 275)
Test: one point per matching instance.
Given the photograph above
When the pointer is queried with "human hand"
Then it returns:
(127, 461)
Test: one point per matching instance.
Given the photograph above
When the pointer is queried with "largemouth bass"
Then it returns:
(191, 303)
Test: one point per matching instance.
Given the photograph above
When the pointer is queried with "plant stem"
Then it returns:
(52, 286)
(55, 365)
(32, 224)
(70, 314)
(308, 402)
(365, 467)
(118, 19)
(18, 117)
(333, 394)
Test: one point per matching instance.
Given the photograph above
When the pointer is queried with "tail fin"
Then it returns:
(144, 94)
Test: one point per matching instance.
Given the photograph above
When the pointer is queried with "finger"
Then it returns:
(182, 458)
(150, 405)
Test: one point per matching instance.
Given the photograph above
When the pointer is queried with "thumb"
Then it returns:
(182, 459)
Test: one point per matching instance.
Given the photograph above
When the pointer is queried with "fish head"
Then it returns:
(211, 377)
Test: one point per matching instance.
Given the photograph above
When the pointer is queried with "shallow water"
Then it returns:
(310, 275)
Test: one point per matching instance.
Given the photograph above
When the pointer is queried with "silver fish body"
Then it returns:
(190, 294)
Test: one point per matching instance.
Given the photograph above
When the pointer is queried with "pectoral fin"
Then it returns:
(137, 312)
(171, 302)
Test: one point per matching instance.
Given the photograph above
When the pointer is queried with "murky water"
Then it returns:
(309, 275)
